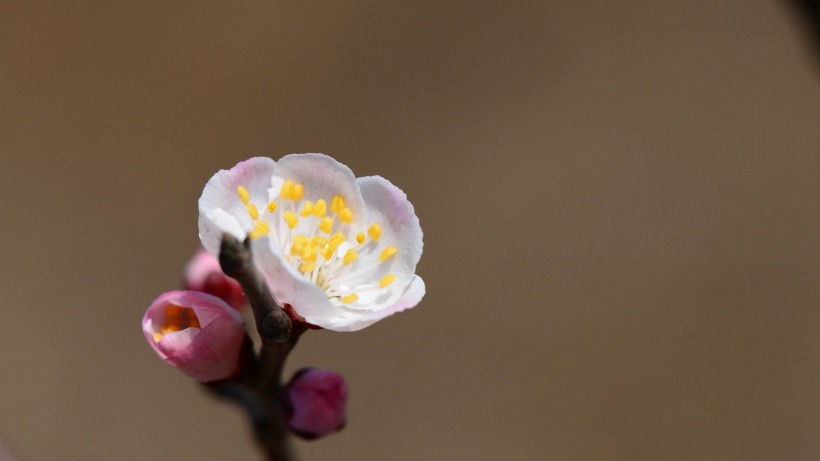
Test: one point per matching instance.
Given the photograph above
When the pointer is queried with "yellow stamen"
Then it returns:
(297, 193)
(252, 211)
(375, 232)
(299, 244)
(320, 209)
(350, 298)
(337, 204)
(176, 319)
(346, 215)
(328, 252)
(307, 266)
(307, 209)
(287, 189)
(319, 241)
(260, 228)
(271, 207)
(336, 239)
(387, 280)
(349, 257)
(291, 219)
(308, 253)
(326, 225)
(387, 253)
(360, 238)
(243, 195)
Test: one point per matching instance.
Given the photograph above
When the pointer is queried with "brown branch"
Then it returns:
(272, 323)
(258, 389)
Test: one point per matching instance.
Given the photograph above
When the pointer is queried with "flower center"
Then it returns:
(320, 241)
(176, 318)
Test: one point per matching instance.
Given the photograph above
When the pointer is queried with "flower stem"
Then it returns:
(258, 388)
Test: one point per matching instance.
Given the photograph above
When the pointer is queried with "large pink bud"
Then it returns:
(315, 402)
(196, 333)
(203, 273)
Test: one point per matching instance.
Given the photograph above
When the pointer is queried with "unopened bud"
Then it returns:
(204, 274)
(316, 402)
(196, 333)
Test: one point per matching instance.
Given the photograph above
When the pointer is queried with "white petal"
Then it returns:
(350, 320)
(221, 210)
(286, 283)
(323, 177)
(387, 205)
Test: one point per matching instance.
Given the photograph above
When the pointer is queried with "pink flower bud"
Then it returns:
(316, 402)
(196, 333)
(203, 273)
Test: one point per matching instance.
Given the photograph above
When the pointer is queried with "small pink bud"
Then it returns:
(203, 273)
(196, 333)
(316, 402)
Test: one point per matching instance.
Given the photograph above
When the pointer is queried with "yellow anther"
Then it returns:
(349, 257)
(259, 229)
(271, 207)
(346, 215)
(158, 337)
(298, 192)
(375, 232)
(326, 225)
(299, 244)
(328, 252)
(350, 298)
(287, 189)
(243, 195)
(387, 253)
(307, 266)
(360, 238)
(387, 280)
(319, 241)
(308, 253)
(336, 239)
(320, 208)
(307, 209)
(252, 211)
(290, 218)
(337, 204)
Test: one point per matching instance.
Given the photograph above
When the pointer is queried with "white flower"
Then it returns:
(341, 251)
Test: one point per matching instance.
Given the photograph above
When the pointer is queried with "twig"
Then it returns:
(258, 388)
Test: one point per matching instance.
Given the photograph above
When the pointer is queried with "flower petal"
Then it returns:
(207, 349)
(220, 208)
(352, 320)
(323, 177)
(286, 283)
(387, 206)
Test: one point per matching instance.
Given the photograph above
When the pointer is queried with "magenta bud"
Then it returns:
(203, 273)
(315, 402)
(196, 333)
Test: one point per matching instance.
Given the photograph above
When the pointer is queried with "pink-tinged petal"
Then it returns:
(196, 333)
(322, 177)
(387, 206)
(305, 298)
(355, 320)
(286, 283)
(220, 208)
(316, 401)
(203, 273)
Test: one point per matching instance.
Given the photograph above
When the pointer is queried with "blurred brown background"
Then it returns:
(620, 206)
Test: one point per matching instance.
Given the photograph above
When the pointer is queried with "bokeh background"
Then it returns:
(619, 199)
